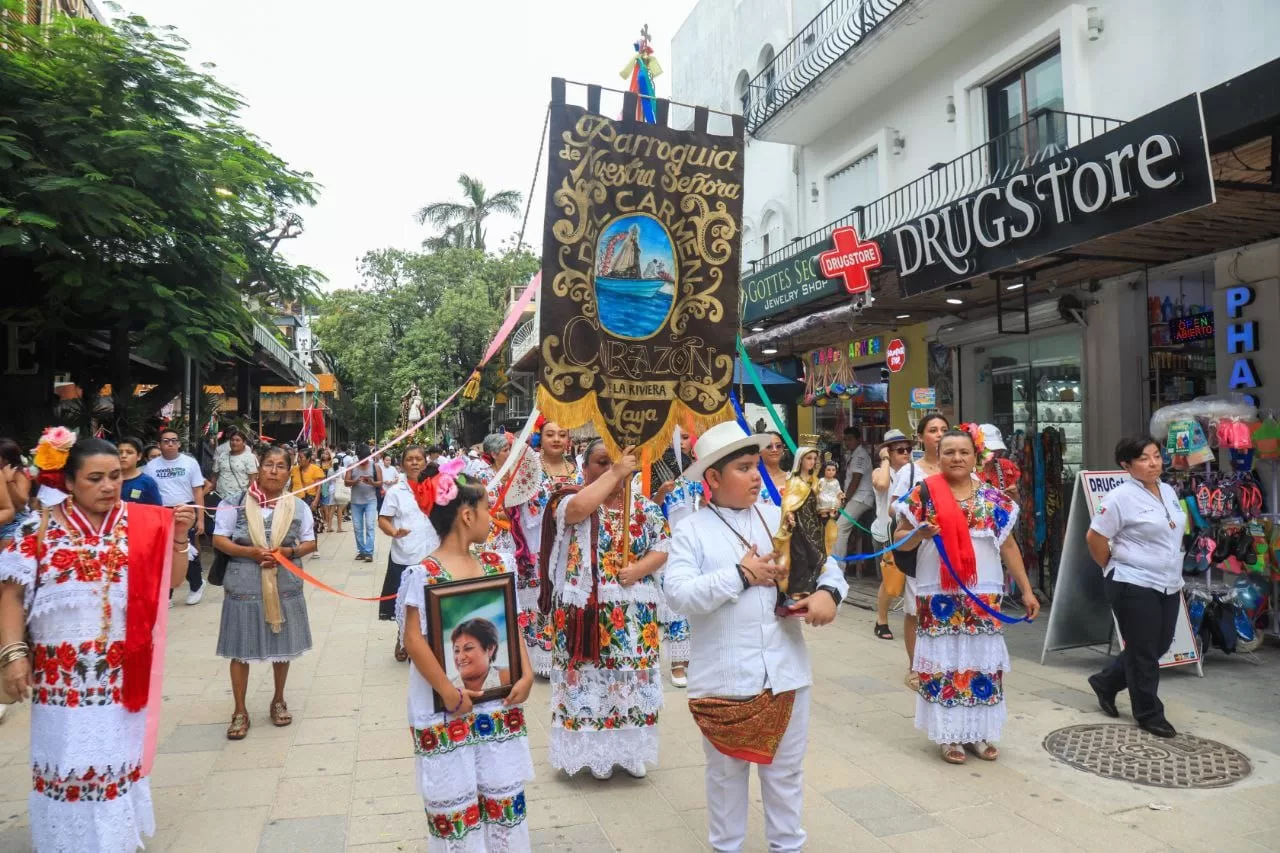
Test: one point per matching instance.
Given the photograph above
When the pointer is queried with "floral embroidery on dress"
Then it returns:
(988, 511)
(88, 787)
(455, 825)
(632, 718)
(469, 730)
(506, 811)
(69, 676)
(964, 688)
(942, 615)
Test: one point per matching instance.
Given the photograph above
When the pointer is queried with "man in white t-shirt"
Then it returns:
(180, 481)
(859, 495)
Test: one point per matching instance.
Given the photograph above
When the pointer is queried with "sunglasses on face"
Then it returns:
(899, 449)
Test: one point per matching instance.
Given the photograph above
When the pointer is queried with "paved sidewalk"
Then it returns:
(340, 778)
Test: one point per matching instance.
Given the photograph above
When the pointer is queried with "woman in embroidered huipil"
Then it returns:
(960, 655)
(264, 613)
(535, 478)
(91, 573)
(495, 449)
(679, 497)
(606, 682)
(473, 762)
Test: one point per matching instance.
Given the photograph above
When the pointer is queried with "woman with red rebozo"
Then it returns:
(90, 577)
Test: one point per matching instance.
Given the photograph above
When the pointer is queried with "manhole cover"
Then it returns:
(1129, 753)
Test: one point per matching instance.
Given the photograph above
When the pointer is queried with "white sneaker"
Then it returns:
(316, 555)
(195, 595)
(608, 774)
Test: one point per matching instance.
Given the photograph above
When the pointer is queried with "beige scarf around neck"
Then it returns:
(281, 521)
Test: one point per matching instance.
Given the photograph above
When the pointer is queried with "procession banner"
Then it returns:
(639, 305)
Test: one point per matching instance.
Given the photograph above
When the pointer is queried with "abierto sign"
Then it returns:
(1151, 168)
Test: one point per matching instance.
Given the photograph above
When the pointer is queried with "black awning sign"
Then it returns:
(1154, 167)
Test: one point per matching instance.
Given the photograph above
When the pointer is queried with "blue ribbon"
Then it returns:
(853, 557)
(996, 614)
(764, 472)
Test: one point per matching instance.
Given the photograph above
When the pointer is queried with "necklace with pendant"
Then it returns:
(1159, 500)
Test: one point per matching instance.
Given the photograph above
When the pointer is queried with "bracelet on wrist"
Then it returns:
(455, 708)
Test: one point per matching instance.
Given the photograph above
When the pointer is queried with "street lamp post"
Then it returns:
(375, 417)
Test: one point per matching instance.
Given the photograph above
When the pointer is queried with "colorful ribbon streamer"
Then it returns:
(764, 472)
(303, 575)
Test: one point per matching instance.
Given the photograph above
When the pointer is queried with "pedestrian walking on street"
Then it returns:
(364, 480)
(859, 494)
(93, 571)
(495, 449)
(960, 656)
(390, 476)
(679, 497)
(472, 762)
(771, 455)
(1137, 538)
(264, 613)
(135, 486)
(181, 483)
(412, 536)
(894, 453)
(749, 679)
(602, 597)
(325, 523)
(235, 466)
(930, 430)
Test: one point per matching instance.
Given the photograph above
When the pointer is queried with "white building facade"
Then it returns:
(874, 112)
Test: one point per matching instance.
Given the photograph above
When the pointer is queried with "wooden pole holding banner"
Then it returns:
(626, 523)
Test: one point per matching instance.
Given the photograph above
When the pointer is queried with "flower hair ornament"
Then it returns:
(440, 489)
(50, 458)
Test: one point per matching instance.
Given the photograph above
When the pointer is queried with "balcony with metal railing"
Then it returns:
(524, 340)
(1045, 135)
(835, 31)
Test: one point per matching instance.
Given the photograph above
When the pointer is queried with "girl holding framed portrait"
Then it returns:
(470, 676)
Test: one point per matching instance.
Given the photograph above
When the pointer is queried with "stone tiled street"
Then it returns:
(340, 778)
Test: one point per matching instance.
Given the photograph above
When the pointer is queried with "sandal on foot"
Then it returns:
(982, 750)
(883, 631)
(239, 727)
(402, 654)
(953, 753)
(280, 715)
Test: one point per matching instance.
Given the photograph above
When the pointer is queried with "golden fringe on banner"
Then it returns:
(586, 410)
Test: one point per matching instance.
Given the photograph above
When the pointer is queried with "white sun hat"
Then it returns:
(718, 442)
(991, 437)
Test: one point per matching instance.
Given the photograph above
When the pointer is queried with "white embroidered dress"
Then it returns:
(605, 714)
(961, 656)
(470, 769)
(89, 794)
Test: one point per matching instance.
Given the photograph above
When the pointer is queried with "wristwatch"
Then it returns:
(833, 592)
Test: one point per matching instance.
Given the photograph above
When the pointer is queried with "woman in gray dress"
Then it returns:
(264, 614)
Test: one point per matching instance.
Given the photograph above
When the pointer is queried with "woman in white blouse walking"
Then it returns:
(1137, 537)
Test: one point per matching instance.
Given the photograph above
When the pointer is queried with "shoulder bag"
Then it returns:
(906, 560)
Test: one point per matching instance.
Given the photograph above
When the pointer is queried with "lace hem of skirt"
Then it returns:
(960, 724)
(984, 653)
(600, 752)
(106, 826)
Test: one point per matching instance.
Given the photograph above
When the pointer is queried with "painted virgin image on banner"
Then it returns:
(639, 304)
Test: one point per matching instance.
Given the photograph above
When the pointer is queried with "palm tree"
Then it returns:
(463, 222)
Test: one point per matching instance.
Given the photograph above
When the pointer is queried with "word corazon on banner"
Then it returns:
(639, 302)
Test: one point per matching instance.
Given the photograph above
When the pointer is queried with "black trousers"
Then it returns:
(1147, 618)
(390, 586)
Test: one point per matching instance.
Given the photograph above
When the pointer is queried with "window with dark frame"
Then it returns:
(1025, 112)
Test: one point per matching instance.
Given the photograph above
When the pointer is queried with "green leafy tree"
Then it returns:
(132, 202)
(424, 318)
(463, 222)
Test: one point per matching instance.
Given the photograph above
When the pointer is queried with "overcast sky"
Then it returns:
(386, 103)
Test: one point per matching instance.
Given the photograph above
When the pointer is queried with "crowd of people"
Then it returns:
(610, 566)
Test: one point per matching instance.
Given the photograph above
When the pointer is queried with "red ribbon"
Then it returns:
(303, 575)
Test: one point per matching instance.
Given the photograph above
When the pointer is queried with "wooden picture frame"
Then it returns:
(485, 609)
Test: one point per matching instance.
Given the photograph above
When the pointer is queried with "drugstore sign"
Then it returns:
(1154, 167)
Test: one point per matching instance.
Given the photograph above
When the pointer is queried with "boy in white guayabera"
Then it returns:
(749, 673)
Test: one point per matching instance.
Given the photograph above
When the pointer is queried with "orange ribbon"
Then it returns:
(303, 575)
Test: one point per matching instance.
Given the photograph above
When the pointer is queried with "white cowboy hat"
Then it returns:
(718, 442)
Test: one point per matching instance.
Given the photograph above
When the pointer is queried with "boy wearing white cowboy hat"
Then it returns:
(749, 674)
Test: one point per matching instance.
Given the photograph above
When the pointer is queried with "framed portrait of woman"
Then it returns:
(473, 632)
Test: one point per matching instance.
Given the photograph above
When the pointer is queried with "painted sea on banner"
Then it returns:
(635, 269)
